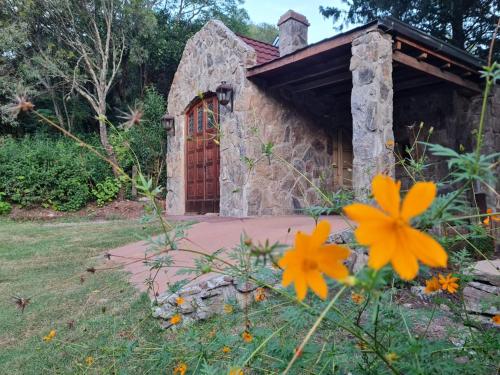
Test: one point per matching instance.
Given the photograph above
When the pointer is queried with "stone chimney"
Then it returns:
(293, 32)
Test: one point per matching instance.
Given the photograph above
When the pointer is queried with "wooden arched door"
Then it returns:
(202, 157)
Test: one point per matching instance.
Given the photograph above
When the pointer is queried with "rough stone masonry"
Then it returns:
(371, 107)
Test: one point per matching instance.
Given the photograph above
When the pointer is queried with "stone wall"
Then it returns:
(372, 107)
(454, 116)
(271, 187)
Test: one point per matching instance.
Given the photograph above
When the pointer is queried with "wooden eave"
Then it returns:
(418, 61)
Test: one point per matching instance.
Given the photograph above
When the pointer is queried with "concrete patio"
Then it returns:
(209, 234)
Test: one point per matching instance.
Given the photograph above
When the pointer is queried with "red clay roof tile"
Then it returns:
(265, 52)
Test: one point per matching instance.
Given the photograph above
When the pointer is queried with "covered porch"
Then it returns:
(366, 88)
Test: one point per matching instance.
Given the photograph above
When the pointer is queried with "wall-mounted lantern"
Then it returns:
(225, 94)
(168, 122)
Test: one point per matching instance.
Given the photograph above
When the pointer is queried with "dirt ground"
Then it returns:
(125, 209)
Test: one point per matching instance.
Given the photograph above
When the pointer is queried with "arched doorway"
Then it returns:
(202, 156)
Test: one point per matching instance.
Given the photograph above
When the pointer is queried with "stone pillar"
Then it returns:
(371, 108)
(293, 32)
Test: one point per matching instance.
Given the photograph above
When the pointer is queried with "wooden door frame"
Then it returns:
(193, 108)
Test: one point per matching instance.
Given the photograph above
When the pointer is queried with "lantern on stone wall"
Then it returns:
(225, 94)
(168, 122)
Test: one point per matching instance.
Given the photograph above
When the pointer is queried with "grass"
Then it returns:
(95, 317)
(105, 318)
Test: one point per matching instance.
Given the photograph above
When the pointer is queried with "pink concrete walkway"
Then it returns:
(210, 234)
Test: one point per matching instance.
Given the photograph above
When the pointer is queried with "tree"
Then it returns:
(264, 32)
(90, 32)
(468, 24)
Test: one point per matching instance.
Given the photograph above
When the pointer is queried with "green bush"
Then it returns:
(52, 172)
(5, 207)
(106, 191)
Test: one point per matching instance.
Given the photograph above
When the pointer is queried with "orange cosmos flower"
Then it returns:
(50, 336)
(176, 319)
(226, 349)
(180, 369)
(260, 295)
(179, 301)
(496, 319)
(448, 283)
(236, 371)
(357, 298)
(305, 264)
(432, 285)
(388, 233)
(247, 336)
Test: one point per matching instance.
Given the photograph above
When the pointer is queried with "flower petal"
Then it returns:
(289, 274)
(334, 252)
(317, 284)
(334, 269)
(320, 234)
(374, 232)
(425, 248)
(405, 264)
(362, 213)
(289, 258)
(386, 193)
(418, 199)
(301, 287)
(381, 253)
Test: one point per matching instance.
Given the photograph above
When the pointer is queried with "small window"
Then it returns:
(191, 124)
(200, 119)
(210, 115)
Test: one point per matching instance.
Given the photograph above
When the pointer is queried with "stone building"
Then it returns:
(307, 119)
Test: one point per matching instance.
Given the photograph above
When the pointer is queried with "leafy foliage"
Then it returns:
(466, 24)
(106, 191)
(51, 172)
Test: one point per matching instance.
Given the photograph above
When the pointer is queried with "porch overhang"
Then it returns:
(419, 61)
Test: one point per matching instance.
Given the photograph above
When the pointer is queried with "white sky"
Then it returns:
(270, 11)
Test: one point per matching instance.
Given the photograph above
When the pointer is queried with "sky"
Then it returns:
(270, 11)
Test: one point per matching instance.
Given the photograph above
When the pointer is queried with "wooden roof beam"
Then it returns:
(322, 82)
(315, 49)
(423, 49)
(434, 71)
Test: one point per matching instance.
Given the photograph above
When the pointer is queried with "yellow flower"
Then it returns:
(432, 285)
(228, 309)
(391, 357)
(496, 319)
(388, 233)
(89, 361)
(247, 336)
(357, 298)
(236, 371)
(179, 301)
(389, 143)
(226, 349)
(305, 264)
(50, 336)
(448, 283)
(487, 221)
(176, 319)
(260, 295)
(180, 369)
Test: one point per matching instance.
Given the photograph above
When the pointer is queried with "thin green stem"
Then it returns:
(313, 329)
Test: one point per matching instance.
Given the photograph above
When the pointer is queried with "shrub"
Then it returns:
(5, 207)
(53, 172)
(106, 191)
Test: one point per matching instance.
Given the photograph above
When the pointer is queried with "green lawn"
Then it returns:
(105, 318)
(99, 317)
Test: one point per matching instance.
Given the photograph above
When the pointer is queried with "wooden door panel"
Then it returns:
(202, 158)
